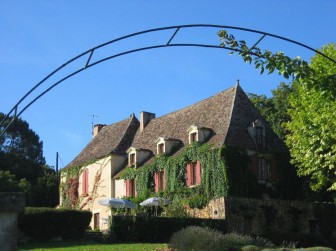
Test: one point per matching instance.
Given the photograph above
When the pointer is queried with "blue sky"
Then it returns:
(36, 37)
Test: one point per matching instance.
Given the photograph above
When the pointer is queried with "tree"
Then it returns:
(311, 138)
(22, 166)
(46, 191)
(21, 151)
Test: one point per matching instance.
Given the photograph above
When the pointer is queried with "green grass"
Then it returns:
(89, 246)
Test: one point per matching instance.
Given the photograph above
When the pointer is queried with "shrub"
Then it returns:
(44, 223)
(235, 241)
(196, 238)
(250, 248)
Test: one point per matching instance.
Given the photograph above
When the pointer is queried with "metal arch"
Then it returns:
(15, 113)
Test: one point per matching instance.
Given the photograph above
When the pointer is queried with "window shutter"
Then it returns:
(156, 181)
(198, 172)
(85, 181)
(188, 175)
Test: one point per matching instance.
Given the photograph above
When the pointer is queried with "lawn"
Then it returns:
(89, 246)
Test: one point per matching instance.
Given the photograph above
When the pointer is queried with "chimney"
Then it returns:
(96, 129)
(145, 117)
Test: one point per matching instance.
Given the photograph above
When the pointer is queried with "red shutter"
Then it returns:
(156, 182)
(188, 175)
(127, 188)
(254, 162)
(198, 172)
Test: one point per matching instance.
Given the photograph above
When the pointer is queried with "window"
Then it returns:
(193, 173)
(130, 188)
(85, 184)
(96, 221)
(160, 148)
(159, 181)
(193, 137)
(263, 169)
(132, 159)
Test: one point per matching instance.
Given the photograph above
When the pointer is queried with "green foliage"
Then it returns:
(198, 200)
(22, 166)
(69, 187)
(312, 109)
(21, 151)
(8, 182)
(45, 223)
(45, 192)
(177, 208)
(313, 140)
(214, 174)
(156, 229)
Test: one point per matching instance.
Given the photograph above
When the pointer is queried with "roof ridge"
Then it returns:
(198, 102)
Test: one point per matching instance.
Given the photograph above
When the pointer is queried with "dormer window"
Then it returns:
(166, 145)
(199, 134)
(193, 137)
(160, 148)
(136, 156)
(257, 132)
(132, 159)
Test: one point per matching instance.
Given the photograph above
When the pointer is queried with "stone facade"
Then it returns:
(257, 216)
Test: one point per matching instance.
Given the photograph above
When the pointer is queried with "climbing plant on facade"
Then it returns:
(214, 176)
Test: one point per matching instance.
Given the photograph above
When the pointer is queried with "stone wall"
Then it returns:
(10, 205)
(277, 217)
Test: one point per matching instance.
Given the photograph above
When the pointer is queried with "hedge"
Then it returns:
(44, 223)
(156, 229)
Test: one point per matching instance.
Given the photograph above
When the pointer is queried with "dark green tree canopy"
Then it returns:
(21, 151)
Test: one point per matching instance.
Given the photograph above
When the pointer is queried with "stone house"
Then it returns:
(227, 118)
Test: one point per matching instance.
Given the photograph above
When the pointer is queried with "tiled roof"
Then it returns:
(115, 138)
(214, 113)
(228, 114)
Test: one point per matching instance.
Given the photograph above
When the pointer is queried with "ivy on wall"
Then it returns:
(69, 184)
(214, 176)
(69, 187)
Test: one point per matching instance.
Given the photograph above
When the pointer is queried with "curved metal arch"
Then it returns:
(15, 113)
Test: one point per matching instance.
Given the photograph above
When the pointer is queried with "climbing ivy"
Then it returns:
(214, 175)
(69, 187)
